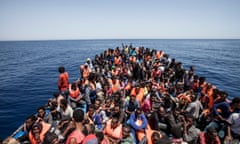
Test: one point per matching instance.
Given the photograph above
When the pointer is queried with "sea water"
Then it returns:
(29, 69)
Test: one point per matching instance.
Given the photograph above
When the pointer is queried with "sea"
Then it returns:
(29, 69)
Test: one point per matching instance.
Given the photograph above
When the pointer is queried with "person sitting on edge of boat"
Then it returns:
(233, 128)
(65, 110)
(38, 131)
(221, 113)
(44, 115)
(22, 135)
(62, 80)
(27, 126)
(56, 101)
(90, 65)
(74, 95)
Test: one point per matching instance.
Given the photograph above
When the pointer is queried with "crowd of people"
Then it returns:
(134, 95)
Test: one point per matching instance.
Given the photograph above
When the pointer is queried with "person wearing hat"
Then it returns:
(90, 65)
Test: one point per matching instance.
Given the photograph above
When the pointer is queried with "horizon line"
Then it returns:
(121, 39)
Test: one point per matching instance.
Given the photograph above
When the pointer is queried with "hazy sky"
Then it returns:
(100, 19)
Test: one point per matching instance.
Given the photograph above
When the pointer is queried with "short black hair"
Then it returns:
(235, 100)
(32, 117)
(211, 130)
(41, 107)
(61, 69)
(78, 115)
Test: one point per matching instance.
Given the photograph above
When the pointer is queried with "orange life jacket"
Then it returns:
(63, 81)
(74, 93)
(113, 133)
(117, 61)
(45, 128)
(132, 59)
(85, 73)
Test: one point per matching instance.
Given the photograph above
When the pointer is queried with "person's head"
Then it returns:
(91, 109)
(116, 109)
(36, 128)
(78, 115)
(41, 112)
(30, 120)
(114, 122)
(100, 136)
(63, 104)
(132, 98)
(189, 119)
(56, 94)
(50, 138)
(61, 69)
(97, 103)
(163, 140)
(153, 97)
(90, 128)
(138, 111)
(211, 133)
(235, 104)
(108, 102)
(155, 137)
(88, 60)
(193, 97)
(161, 111)
(73, 86)
(126, 130)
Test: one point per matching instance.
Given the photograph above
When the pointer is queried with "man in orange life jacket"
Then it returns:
(62, 80)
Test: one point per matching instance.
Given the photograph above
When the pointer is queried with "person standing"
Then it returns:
(63, 82)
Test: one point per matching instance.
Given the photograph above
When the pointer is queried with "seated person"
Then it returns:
(127, 137)
(138, 123)
(209, 137)
(38, 131)
(113, 130)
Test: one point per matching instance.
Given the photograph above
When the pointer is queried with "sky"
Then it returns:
(119, 19)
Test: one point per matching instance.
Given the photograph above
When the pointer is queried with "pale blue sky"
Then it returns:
(118, 19)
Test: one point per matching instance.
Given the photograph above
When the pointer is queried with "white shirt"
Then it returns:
(234, 120)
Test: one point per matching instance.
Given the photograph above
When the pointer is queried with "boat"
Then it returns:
(144, 66)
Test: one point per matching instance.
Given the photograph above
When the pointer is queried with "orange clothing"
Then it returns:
(139, 94)
(63, 81)
(210, 97)
(74, 93)
(85, 73)
(77, 134)
(132, 59)
(115, 133)
(117, 60)
(45, 128)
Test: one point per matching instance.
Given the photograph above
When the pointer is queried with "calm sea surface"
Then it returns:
(29, 69)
